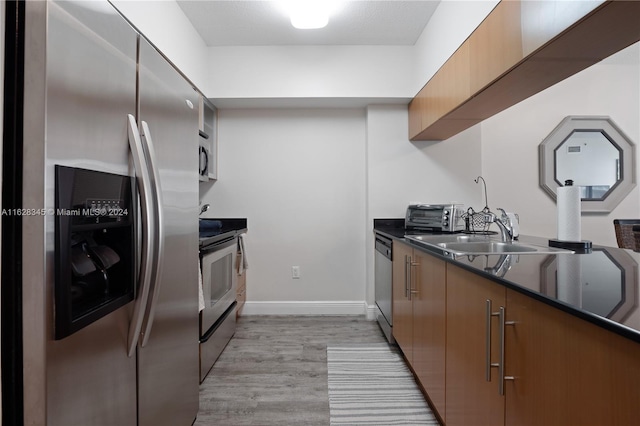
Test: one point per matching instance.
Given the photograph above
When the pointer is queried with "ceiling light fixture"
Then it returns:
(309, 14)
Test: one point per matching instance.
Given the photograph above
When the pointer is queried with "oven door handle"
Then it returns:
(159, 233)
(147, 224)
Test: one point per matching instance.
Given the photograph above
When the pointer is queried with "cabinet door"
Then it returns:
(415, 115)
(470, 398)
(402, 310)
(448, 88)
(496, 45)
(567, 371)
(429, 332)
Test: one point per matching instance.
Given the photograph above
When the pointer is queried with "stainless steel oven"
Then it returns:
(383, 285)
(218, 318)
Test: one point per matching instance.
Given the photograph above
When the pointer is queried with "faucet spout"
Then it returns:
(503, 223)
(506, 234)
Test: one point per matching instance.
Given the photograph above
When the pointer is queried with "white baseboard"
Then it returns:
(308, 308)
(372, 312)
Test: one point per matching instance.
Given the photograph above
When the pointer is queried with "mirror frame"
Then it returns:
(547, 163)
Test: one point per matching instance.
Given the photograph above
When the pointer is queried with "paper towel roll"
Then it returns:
(569, 213)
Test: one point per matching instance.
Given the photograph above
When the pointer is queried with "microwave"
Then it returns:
(204, 167)
(435, 217)
(207, 148)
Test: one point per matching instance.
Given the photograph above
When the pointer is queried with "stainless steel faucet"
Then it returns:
(504, 224)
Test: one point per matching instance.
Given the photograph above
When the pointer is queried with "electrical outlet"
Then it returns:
(295, 272)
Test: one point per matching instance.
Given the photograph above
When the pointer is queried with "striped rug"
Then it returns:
(371, 385)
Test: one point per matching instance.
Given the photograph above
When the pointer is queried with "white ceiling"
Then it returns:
(261, 23)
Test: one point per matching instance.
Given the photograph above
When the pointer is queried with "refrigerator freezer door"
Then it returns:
(168, 376)
(76, 103)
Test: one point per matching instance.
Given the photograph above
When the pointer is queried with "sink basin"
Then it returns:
(484, 247)
(471, 244)
(448, 238)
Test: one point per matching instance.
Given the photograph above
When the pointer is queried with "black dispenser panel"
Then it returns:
(95, 247)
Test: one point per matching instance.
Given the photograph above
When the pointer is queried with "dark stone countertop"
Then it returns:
(216, 232)
(601, 286)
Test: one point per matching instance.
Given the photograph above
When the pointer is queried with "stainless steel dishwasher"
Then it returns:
(383, 285)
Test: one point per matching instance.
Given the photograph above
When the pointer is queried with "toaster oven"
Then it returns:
(435, 217)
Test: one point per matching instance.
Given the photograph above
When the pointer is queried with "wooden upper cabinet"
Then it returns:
(415, 115)
(495, 46)
(449, 87)
(520, 49)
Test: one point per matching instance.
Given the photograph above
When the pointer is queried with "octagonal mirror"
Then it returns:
(595, 154)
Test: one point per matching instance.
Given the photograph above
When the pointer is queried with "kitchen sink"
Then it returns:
(471, 244)
(483, 247)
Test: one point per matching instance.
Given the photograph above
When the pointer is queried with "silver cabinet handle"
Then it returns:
(411, 289)
(501, 363)
(406, 276)
(148, 223)
(159, 232)
(410, 277)
(490, 364)
(488, 340)
(503, 323)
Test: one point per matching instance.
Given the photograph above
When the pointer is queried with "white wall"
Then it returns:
(298, 176)
(309, 71)
(167, 27)
(310, 183)
(510, 143)
(399, 172)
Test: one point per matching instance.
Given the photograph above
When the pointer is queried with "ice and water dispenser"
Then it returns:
(95, 247)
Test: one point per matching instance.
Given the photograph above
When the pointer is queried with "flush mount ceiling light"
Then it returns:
(309, 14)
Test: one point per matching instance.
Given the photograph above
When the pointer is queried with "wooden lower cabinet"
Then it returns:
(470, 398)
(429, 331)
(419, 317)
(559, 369)
(402, 309)
(566, 370)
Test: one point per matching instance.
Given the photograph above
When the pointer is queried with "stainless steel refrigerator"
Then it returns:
(99, 272)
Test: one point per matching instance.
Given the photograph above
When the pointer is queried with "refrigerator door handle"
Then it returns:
(148, 223)
(159, 234)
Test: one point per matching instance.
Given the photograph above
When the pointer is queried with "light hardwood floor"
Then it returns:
(274, 370)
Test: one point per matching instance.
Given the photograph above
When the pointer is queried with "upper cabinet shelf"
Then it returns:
(520, 49)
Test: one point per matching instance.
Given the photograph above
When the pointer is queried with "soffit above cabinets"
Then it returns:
(263, 23)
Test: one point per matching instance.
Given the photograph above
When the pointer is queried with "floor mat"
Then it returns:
(371, 385)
